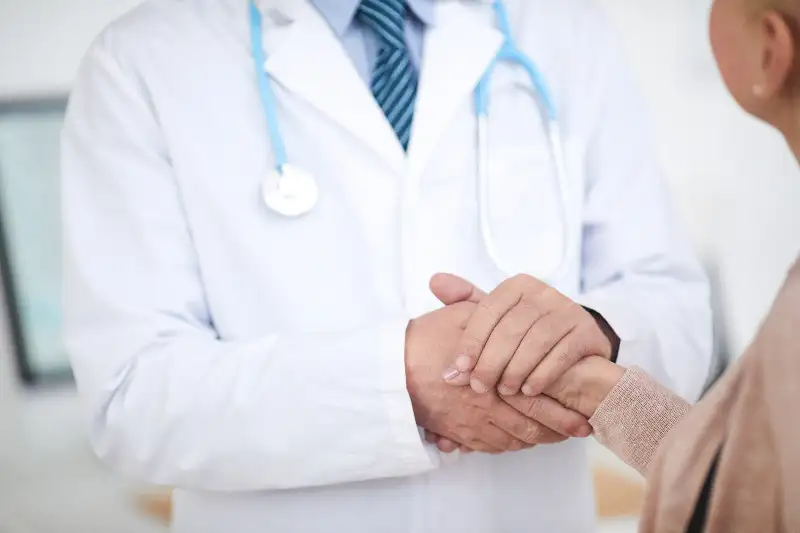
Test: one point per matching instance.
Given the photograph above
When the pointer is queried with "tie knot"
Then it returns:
(386, 18)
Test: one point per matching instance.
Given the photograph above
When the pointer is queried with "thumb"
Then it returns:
(451, 289)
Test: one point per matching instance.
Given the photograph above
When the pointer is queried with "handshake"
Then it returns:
(508, 370)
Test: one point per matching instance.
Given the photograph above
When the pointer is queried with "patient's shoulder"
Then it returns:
(794, 272)
(788, 299)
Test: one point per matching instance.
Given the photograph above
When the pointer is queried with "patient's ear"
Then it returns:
(755, 51)
(777, 56)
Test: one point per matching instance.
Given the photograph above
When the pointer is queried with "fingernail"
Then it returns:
(477, 386)
(584, 431)
(527, 390)
(505, 391)
(462, 363)
(450, 374)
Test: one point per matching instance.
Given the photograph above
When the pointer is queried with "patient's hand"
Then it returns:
(581, 389)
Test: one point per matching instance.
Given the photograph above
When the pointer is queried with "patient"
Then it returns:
(732, 462)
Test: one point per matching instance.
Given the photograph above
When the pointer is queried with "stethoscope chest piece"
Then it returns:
(289, 191)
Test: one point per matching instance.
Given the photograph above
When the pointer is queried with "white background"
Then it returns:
(734, 184)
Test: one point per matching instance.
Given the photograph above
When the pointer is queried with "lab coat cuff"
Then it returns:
(638, 339)
(408, 438)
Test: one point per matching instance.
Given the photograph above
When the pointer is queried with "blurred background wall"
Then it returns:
(734, 182)
(49, 480)
(734, 185)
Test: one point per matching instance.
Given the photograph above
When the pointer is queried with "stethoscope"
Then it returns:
(291, 191)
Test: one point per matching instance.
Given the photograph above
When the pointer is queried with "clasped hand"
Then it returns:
(523, 337)
(480, 422)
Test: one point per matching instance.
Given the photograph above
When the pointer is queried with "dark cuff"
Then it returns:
(608, 331)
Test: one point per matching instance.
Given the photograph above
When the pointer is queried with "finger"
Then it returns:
(552, 415)
(564, 355)
(455, 377)
(490, 310)
(497, 438)
(450, 289)
(538, 341)
(482, 447)
(473, 437)
(431, 438)
(522, 427)
(503, 345)
(447, 445)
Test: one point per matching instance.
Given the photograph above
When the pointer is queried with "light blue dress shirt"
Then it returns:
(360, 42)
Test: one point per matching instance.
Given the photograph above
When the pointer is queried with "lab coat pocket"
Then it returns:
(532, 211)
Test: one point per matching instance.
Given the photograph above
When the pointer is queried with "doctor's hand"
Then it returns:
(523, 336)
(481, 422)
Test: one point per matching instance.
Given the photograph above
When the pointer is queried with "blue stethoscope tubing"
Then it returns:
(509, 52)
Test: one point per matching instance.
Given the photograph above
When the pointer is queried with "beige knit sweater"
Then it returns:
(752, 415)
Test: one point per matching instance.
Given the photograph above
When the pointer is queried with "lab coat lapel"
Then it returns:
(458, 50)
(306, 57)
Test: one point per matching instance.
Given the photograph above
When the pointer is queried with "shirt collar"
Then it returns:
(340, 13)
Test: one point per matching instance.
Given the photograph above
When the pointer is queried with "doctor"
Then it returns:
(254, 200)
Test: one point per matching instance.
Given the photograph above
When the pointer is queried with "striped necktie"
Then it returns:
(394, 79)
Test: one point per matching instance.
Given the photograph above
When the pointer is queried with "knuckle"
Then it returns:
(533, 433)
(528, 287)
(533, 284)
(530, 309)
(520, 280)
(550, 295)
(565, 354)
(564, 357)
(486, 308)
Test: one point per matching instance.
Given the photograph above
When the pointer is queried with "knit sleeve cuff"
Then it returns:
(636, 416)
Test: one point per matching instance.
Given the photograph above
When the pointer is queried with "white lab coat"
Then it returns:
(256, 362)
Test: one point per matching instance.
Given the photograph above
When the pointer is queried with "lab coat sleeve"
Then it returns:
(638, 270)
(170, 402)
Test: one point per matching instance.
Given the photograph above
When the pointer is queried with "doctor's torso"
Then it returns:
(384, 223)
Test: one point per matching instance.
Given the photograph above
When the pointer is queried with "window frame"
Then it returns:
(15, 331)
